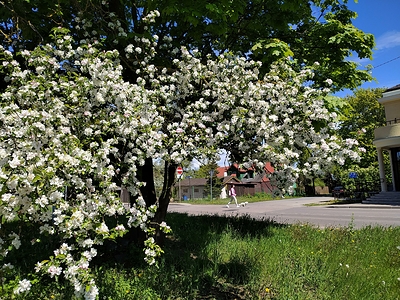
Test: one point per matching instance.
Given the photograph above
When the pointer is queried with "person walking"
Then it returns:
(232, 194)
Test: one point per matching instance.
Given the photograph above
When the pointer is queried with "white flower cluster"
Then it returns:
(70, 124)
(222, 104)
(23, 286)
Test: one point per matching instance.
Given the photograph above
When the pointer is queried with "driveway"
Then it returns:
(291, 211)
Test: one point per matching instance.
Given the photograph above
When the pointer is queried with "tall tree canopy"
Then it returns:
(264, 30)
(361, 114)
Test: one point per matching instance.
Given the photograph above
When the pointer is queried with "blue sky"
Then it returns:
(380, 18)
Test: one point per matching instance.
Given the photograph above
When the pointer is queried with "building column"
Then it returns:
(395, 188)
(382, 170)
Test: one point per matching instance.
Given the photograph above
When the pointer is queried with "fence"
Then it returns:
(390, 122)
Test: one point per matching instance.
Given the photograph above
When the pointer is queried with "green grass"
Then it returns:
(330, 201)
(212, 257)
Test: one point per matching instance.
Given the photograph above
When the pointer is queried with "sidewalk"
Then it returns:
(361, 205)
(302, 210)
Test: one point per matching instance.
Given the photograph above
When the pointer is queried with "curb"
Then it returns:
(373, 206)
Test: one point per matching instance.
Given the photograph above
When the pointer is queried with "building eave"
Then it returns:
(391, 94)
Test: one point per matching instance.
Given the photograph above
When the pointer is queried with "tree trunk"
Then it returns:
(148, 192)
(146, 175)
(163, 201)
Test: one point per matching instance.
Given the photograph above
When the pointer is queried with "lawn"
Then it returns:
(212, 257)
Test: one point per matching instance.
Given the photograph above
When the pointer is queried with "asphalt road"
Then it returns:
(291, 211)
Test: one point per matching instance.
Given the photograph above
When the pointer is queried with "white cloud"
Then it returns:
(388, 40)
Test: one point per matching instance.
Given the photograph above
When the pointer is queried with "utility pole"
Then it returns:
(179, 173)
(211, 176)
(190, 188)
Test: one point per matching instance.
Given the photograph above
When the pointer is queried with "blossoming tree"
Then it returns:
(310, 30)
(74, 133)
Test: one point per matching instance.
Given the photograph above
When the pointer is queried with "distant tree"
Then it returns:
(205, 168)
(360, 116)
(205, 172)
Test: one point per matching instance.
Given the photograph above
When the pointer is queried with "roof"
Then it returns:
(221, 171)
(193, 182)
(393, 88)
(240, 168)
(269, 168)
(231, 179)
(258, 178)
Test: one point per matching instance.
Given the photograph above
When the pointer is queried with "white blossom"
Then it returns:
(23, 286)
(54, 271)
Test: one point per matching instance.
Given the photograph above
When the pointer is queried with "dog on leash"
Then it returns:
(243, 204)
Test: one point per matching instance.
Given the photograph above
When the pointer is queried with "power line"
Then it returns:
(386, 62)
